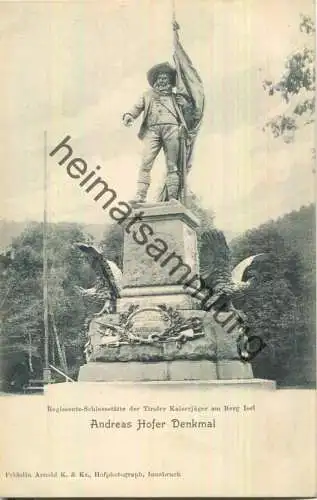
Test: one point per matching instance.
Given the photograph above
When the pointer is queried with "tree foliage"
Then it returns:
(279, 308)
(297, 82)
(22, 327)
(112, 243)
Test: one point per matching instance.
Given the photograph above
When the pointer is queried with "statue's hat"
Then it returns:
(164, 67)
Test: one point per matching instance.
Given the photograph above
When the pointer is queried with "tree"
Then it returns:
(276, 307)
(296, 86)
(204, 215)
(22, 293)
(112, 243)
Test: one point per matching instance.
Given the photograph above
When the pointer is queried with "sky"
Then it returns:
(74, 68)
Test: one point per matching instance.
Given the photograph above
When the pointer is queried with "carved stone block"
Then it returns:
(158, 248)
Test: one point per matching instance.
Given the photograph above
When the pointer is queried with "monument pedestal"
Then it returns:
(159, 331)
(160, 255)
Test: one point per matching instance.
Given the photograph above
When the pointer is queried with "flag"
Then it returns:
(188, 84)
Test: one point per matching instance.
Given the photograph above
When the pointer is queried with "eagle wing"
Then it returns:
(247, 269)
(215, 260)
(107, 271)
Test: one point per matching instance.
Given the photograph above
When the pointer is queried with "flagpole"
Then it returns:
(46, 370)
(182, 145)
(173, 22)
(173, 11)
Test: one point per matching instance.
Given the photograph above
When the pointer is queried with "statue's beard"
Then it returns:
(163, 87)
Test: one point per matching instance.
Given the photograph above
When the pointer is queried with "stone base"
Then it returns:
(216, 344)
(233, 369)
(178, 301)
(165, 370)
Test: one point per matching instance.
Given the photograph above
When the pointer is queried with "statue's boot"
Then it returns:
(142, 189)
(172, 183)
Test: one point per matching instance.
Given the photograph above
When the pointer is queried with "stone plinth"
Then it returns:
(160, 255)
(160, 250)
(165, 371)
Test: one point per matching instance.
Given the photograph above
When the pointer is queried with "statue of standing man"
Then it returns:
(171, 118)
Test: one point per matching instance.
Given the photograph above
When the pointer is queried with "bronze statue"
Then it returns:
(172, 111)
(161, 126)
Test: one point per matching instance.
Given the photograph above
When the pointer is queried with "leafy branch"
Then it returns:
(298, 79)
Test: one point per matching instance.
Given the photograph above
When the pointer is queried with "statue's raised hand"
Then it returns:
(127, 120)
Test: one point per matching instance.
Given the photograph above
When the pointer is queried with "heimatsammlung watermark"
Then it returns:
(124, 214)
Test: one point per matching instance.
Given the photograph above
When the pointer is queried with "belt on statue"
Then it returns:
(165, 123)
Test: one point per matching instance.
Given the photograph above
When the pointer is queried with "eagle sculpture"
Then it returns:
(215, 266)
(108, 284)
